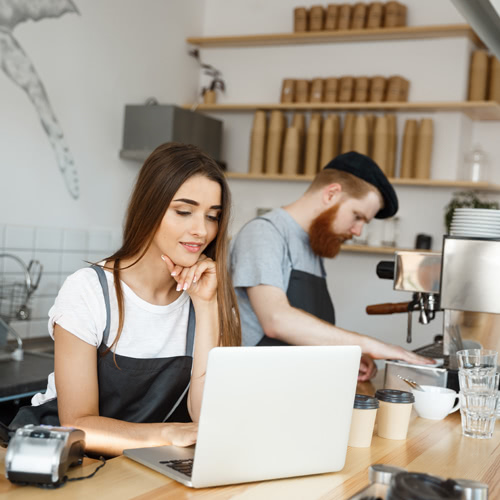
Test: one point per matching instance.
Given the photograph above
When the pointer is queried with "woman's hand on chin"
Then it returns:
(199, 280)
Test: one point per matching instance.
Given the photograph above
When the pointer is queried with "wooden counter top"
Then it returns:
(434, 447)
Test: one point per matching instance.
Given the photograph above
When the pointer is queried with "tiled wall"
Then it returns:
(61, 251)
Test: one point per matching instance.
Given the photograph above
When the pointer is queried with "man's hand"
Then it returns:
(367, 368)
(381, 350)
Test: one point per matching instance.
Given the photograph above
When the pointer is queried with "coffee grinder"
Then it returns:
(462, 279)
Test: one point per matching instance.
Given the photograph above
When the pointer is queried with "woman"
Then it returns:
(124, 366)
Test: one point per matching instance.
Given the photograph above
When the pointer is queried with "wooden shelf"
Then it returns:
(439, 183)
(368, 249)
(357, 35)
(475, 110)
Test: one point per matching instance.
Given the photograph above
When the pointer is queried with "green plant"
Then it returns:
(465, 199)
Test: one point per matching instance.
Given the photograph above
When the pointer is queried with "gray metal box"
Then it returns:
(148, 126)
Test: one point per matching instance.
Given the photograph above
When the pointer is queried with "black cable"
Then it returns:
(5, 434)
(65, 479)
(102, 459)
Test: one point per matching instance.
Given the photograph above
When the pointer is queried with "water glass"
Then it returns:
(478, 379)
(478, 396)
(477, 358)
(478, 412)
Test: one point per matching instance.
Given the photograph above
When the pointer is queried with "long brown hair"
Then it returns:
(163, 173)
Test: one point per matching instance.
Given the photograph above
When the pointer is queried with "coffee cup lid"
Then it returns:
(363, 402)
(418, 486)
(394, 396)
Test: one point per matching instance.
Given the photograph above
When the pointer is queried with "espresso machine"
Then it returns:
(460, 281)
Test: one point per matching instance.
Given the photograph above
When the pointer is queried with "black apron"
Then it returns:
(308, 292)
(138, 390)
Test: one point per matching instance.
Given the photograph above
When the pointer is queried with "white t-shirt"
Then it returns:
(149, 331)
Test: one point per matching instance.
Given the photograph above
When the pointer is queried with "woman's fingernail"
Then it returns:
(163, 257)
(173, 273)
(194, 279)
(185, 287)
(178, 288)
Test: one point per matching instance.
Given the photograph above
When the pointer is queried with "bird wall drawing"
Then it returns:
(17, 65)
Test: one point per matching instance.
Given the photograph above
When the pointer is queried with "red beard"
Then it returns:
(324, 241)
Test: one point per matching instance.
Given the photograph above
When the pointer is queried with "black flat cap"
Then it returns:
(365, 168)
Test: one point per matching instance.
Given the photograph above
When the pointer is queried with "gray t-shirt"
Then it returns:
(264, 252)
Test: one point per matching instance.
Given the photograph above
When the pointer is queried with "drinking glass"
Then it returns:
(477, 358)
(478, 400)
(478, 412)
(478, 379)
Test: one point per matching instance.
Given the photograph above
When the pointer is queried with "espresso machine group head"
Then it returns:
(416, 272)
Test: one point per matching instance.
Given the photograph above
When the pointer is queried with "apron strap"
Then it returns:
(105, 290)
(190, 330)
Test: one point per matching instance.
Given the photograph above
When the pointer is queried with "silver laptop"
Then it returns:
(267, 413)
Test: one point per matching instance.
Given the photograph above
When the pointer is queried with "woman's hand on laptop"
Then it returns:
(367, 368)
(180, 433)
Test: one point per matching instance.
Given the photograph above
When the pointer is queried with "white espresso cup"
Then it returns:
(435, 403)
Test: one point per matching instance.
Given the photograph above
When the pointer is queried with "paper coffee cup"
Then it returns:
(363, 421)
(394, 413)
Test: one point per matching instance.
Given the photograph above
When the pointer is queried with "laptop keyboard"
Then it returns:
(182, 466)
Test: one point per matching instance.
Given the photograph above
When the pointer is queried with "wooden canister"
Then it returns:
(209, 97)
(300, 16)
(346, 88)
(347, 133)
(391, 145)
(374, 15)
(274, 142)
(288, 90)
(391, 14)
(316, 93)
(291, 151)
(344, 16)
(258, 143)
(478, 75)
(358, 19)
(329, 139)
(402, 15)
(331, 89)
(361, 89)
(312, 144)
(408, 151)
(360, 135)
(299, 122)
(380, 142)
(494, 87)
(301, 90)
(316, 18)
(377, 89)
(395, 88)
(331, 18)
(423, 153)
(405, 90)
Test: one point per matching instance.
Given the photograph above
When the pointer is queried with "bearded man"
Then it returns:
(277, 261)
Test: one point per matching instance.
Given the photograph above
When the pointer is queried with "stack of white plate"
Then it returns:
(476, 222)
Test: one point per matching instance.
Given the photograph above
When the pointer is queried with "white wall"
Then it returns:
(438, 71)
(114, 53)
